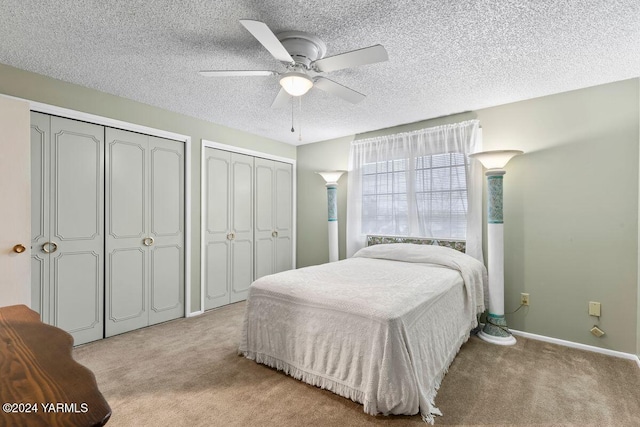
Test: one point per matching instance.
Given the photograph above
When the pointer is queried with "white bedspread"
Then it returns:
(380, 328)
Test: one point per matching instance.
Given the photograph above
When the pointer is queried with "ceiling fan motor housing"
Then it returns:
(303, 47)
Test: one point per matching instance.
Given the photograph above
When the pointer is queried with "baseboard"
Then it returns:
(195, 313)
(572, 344)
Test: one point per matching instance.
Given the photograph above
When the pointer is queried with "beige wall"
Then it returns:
(35, 87)
(571, 209)
(313, 242)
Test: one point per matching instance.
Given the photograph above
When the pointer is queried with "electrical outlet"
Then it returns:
(594, 308)
(524, 299)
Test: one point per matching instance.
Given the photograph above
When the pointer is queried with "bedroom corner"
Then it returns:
(557, 248)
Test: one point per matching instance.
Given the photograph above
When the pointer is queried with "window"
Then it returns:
(441, 195)
(439, 184)
(384, 198)
(419, 183)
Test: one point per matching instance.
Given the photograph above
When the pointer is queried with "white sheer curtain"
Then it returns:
(419, 184)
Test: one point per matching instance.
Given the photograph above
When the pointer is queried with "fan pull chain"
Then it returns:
(300, 118)
(292, 105)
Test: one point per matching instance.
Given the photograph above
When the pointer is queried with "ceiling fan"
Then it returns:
(303, 55)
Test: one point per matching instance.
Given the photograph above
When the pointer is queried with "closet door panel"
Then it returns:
(216, 275)
(127, 287)
(127, 260)
(167, 299)
(166, 159)
(265, 254)
(77, 184)
(126, 184)
(242, 269)
(217, 168)
(217, 197)
(40, 189)
(40, 156)
(273, 217)
(78, 307)
(283, 223)
(242, 226)
(264, 196)
(39, 286)
(77, 221)
(167, 188)
(264, 216)
(242, 194)
(283, 193)
(284, 257)
(146, 175)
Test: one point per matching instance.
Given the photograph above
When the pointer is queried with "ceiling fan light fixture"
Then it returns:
(296, 84)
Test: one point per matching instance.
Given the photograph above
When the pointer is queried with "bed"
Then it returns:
(380, 328)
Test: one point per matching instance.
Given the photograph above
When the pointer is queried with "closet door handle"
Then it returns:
(274, 233)
(147, 241)
(19, 248)
(231, 236)
(49, 247)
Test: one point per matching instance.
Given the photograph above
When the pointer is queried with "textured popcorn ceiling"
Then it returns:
(444, 56)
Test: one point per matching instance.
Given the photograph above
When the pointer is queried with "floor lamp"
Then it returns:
(495, 328)
(331, 178)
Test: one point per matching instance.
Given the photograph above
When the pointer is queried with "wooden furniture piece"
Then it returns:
(40, 383)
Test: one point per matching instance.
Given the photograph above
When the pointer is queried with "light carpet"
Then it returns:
(187, 373)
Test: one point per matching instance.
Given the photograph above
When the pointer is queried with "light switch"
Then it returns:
(594, 308)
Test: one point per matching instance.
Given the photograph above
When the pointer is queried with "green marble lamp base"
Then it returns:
(495, 331)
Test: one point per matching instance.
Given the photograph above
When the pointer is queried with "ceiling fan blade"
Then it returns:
(337, 89)
(265, 36)
(233, 73)
(367, 55)
(282, 99)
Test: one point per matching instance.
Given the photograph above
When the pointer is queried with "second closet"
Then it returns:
(248, 224)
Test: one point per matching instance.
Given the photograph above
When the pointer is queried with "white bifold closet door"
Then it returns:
(273, 222)
(67, 224)
(144, 237)
(228, 234)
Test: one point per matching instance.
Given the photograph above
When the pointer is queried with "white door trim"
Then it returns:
(15, 193)
(239, 150)
(119, 124)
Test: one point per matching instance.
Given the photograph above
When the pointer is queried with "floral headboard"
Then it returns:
(458, 245)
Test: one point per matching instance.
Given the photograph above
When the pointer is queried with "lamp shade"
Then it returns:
(296, 84)
(497, 159)
(331, 177)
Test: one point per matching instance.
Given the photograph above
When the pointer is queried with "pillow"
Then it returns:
(409, 252)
